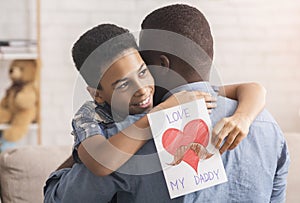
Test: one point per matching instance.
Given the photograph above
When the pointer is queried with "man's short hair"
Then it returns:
(98, 48)
(188, 22)
(184, 20)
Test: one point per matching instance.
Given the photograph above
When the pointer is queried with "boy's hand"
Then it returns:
(187, 96)
(234, 129)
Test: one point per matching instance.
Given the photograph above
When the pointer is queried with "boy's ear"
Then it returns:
(95, 94)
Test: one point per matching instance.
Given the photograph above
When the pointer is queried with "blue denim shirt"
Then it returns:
(256, 169)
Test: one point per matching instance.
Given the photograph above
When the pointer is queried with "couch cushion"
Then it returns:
(23, 171)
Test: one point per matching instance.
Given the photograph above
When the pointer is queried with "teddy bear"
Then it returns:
(19, 106)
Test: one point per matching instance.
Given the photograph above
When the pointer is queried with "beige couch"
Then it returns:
(23, 171)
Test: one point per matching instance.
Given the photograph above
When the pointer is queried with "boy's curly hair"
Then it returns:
(97, 48)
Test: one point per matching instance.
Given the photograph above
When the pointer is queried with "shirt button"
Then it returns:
(93, 125)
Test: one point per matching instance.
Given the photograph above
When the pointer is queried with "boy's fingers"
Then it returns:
(210, 98)
(216, 131)
(210, 105)
(237, 141)
(230, 139)
(193, 95)
(234, 143)
(226, 130)
(206, 96)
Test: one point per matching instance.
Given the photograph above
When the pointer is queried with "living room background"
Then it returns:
(254, 41)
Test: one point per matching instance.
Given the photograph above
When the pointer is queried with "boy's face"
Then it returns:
(127, 85)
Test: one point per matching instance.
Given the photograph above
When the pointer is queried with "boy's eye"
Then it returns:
(143, 72)
(123, 85)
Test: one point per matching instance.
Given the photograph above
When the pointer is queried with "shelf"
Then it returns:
(13, 56)
(23, 46)
(32, 126)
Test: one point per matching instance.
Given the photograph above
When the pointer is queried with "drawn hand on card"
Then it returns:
(197, 148)
(188, 145)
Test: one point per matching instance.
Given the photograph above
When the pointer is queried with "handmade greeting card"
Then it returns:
(182, 136)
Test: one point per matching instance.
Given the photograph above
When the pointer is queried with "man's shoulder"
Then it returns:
(230, 106)
(263, 119)
(265, 116)
(265, 123)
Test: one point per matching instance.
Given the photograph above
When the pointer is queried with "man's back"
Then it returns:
(256, 169)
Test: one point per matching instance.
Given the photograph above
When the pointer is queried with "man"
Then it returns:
(257, 168)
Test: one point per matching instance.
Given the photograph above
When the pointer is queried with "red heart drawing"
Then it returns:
(194, 131)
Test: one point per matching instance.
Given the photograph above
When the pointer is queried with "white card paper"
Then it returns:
(182, 135)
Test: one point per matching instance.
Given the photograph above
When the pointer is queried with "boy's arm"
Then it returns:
(251, 100)
(98, 143)
(103, 156)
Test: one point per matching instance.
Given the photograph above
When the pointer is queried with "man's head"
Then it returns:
(109, 62)
(185, 21)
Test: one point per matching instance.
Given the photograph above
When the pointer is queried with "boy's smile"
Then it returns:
(143, 104)
(127, 85)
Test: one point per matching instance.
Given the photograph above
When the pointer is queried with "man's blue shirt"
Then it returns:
(256, 169)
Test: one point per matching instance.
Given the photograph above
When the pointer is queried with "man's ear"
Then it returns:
(164, 61)
(95, 94)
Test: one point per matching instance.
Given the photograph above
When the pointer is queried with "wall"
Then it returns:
(254, 41)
